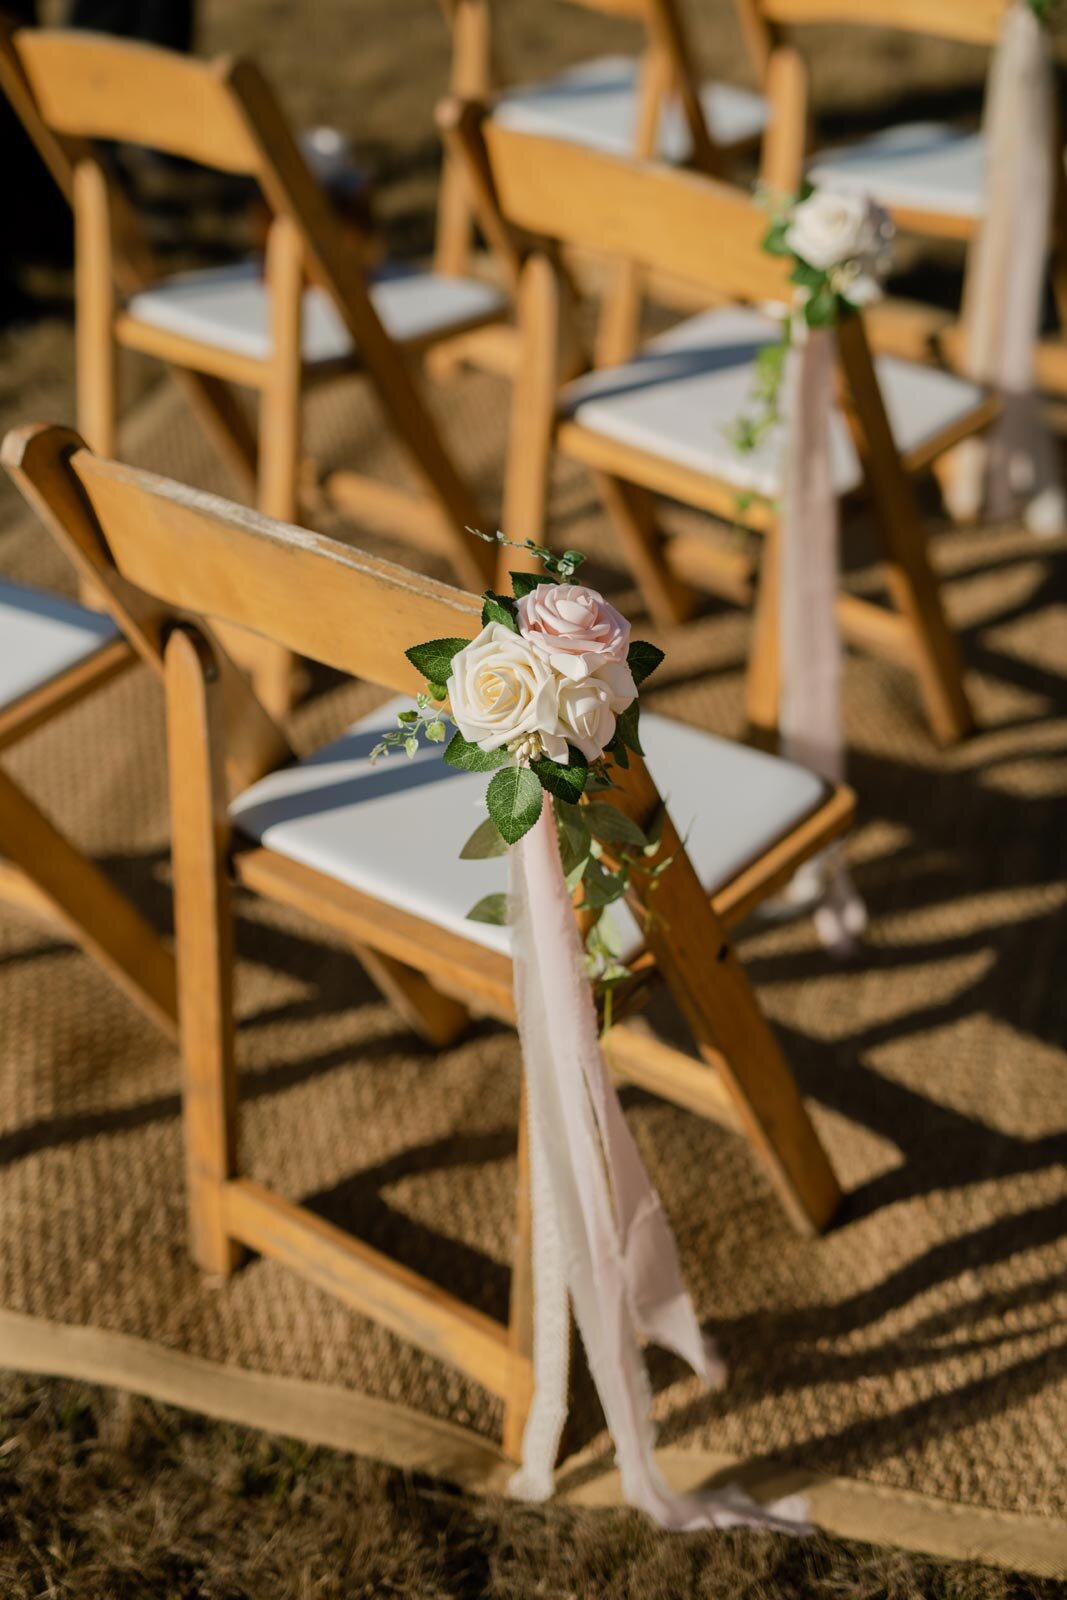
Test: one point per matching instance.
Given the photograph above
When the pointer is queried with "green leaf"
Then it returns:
(437, 691)
(626, 724)
(514, 799)
(617, 750)
(434, 659)
(485, 842)
(567, 783)
(407, 716)
(469, 758)
(436, 732)
(492, 908)
(602, 888)
(499, 608)
(574, 877)
(612, 825)
(807, 276)
(642, 659)
(574, 837)
(774, 239)
(821, 310)
(523, 583)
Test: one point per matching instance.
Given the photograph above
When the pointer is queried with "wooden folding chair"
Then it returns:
(309, 314)
(661, 424)
(930, 176)
(654, 105)
(53, 653)
(372, 853)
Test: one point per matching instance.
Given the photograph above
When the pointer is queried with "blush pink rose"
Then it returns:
(574, 628)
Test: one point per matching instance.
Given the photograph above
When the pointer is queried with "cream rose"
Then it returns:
(830, 227)
(502, 691)
(589, 706)
(573, 628)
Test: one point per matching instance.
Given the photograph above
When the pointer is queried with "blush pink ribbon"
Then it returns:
(810, 716)
(1017, 461)
(601, 1239)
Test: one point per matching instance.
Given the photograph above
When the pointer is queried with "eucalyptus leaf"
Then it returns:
(612, 825)
(434, 659)
(491, 908)
(514, 799)
(485, 842)
(469, 757)
(602, 888)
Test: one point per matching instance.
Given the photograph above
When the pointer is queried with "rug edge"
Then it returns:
(397, 1436)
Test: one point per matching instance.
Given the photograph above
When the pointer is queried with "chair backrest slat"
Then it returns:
(679, 223)
(322, 599)
(967, 21)
(90, 86)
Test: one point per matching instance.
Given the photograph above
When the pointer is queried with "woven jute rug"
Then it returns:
(909, 1369)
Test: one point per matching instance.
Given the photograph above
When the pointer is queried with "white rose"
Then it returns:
(829, 228)
(588, 707)
(502, 691)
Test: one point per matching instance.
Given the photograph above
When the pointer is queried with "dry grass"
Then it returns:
(104, 1497)
(107, 1498)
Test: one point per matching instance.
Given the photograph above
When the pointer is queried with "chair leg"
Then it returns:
(520, 1318)
(763, 686)
(619, 325)
(630, 508)
(204, 924)
(912, 585)
(89, 907)
(435, 1017)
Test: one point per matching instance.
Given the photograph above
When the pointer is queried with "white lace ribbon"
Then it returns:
(1016, 462)
(601, 1239)
(810, 717)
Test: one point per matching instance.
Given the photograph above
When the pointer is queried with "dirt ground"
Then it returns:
(107, 1498)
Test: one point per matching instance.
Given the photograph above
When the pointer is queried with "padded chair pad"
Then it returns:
(596, 104)
(42, 636)
(919, 166)
(227, 307)
(395, 831)
(683, 393)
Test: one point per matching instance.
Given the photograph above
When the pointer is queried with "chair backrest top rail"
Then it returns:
(965, 21)
(90, 86)
(680, 223)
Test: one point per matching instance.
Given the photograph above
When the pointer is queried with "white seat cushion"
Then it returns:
(919, 166)
(596, 104)
(42, 636)
(228, 307)
(681, 396)
(395, 831)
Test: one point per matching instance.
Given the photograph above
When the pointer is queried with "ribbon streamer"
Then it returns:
(810, 717)
(601, 1239)
(1005, 287)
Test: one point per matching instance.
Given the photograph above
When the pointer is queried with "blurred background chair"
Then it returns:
(662, 424)
(654, 104)
(930, 176)
(53, 653)
(312, 312)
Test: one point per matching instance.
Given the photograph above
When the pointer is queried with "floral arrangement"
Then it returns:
(546, 699)
(840, 246)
